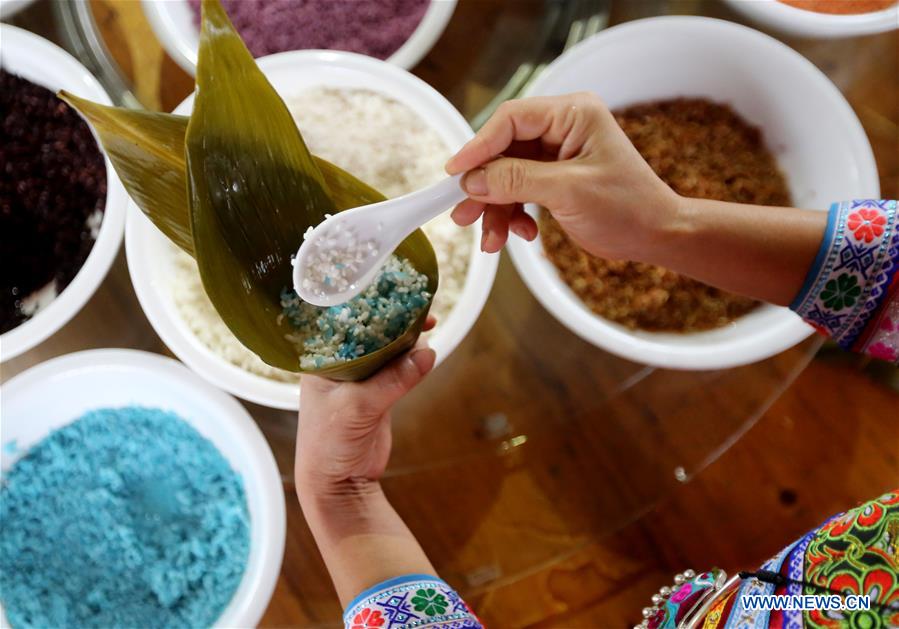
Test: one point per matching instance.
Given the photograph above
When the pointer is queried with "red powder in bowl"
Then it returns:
(841, 7)
(372, 27)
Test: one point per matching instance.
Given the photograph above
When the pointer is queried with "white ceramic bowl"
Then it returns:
(54, 393)
(173, 23)
(787, 19)
(41, 62)
(150, 254)
(44, 63)
(808, 125)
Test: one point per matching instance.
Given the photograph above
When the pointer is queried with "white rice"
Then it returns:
(204, 321)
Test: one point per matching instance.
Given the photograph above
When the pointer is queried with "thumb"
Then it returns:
(512, 180)
(399, 377)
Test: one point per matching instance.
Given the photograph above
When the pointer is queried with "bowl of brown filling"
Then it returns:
(693, 96)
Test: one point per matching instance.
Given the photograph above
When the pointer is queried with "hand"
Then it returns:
(343, 443)
(343, 435)
(567, 154)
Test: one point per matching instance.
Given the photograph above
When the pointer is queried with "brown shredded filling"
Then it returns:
(701, 149)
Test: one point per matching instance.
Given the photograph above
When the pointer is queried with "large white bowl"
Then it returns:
(787, 19)
(173, 23)
(151, 259)
(55, 393)
(46, 64)
(817, 140)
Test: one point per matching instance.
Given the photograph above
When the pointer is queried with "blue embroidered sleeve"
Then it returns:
(414, 600)
(851, 292)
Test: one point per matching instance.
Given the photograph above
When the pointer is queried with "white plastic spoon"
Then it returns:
(341, 256)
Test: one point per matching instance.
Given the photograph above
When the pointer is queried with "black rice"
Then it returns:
(53, 180)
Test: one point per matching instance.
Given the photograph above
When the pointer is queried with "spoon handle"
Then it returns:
(422, 205)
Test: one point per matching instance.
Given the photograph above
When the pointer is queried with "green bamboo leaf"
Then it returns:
(147, 152)
(254, 189)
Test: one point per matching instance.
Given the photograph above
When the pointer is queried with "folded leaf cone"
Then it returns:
(235, 186)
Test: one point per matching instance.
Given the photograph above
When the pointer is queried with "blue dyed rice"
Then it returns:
(126, 517)
(366, 323)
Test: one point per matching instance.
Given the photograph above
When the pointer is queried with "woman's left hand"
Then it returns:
(343, 437)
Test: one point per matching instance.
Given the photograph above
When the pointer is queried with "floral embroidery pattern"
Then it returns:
(883, 352)
(854, 554)
(410, 601)
(848, 289)
(851, 553)
(429, 602)
(866, 224)
(841, 292)
(368, 618)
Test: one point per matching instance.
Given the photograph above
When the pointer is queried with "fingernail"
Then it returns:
(493, 243)
(448, 166)
(484, 240)
(475, 182)
(423, 359)
(521, 233)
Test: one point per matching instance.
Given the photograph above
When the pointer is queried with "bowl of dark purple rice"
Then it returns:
(400, 32)
(62, 208)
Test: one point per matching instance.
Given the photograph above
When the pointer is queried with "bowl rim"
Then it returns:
(253, 593)
(790, 19)
(167, 323)
(647, 347)
(44, 63)
(9, 8)
(169, 29)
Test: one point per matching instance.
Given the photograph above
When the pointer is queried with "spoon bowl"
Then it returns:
(342, 255)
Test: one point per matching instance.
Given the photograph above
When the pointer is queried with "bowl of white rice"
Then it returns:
(374, 120)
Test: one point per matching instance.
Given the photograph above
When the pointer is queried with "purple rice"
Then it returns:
(376, 28)
(53, 181)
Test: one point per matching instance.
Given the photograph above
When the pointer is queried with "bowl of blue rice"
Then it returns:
(133, 494)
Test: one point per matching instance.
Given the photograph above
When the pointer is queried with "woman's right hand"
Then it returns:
(567, 154)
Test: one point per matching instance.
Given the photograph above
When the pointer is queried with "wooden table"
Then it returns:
(546, 479)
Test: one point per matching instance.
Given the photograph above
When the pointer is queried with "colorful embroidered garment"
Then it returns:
(851, 292)
(415, 600)
(856, 552)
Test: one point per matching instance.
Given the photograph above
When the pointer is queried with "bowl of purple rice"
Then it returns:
(62, 209)
(400, 32)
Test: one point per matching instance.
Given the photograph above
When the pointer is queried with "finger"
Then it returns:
(523, 225)
(430, 322)
(509, 180)
(467, 212)
(397, 378)
(549, 118)
(495, 227)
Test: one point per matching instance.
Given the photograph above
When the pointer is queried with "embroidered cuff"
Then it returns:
(850, 279)
(415, 600)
